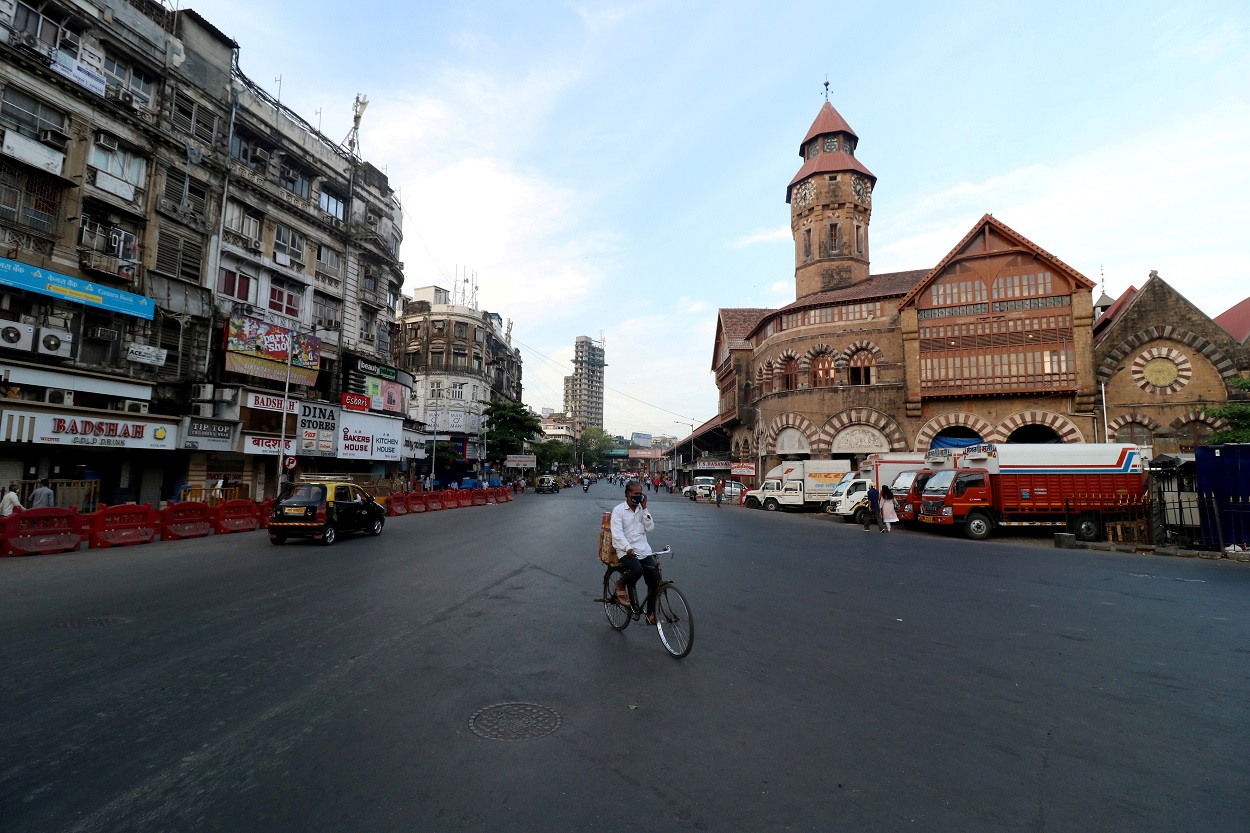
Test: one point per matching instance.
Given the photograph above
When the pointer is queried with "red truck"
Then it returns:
(907, 486)
(1035, 485)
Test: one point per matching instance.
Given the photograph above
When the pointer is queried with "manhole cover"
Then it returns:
(92, 622)
(514, 721)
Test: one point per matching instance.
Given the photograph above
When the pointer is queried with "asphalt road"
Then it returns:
(840, 680)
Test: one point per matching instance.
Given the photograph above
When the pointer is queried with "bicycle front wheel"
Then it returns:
(675, 621)
(618, 615)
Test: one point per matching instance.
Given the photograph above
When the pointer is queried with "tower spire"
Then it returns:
(826, 88)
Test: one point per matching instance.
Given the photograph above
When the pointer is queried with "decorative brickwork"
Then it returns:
(860, 416)
(934, 427)
(1064, 427)
(797, 421)
(1225, 365)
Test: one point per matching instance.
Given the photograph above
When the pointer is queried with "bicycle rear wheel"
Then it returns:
(618, 615)
(674, 620)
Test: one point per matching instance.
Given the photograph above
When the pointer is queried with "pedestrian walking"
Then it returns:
(888, 513)
(874, 507)
(42, 498)
(10, 501)
(719, 490)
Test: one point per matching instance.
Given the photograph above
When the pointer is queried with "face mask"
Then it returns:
(635, 499)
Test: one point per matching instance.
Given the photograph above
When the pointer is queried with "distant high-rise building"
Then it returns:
(583, 391)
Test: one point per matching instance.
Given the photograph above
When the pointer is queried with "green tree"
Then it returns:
(510, 427)
(592, 444)
(443, 455)
(554, 452)
(1236, 414)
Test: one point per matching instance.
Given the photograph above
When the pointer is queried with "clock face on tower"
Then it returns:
(803, 193)
(862, 192)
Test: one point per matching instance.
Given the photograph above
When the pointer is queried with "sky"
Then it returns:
(619, 168)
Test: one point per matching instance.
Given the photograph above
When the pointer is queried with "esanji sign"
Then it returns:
(82, 430)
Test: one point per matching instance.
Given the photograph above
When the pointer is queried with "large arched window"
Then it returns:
(1134, 432)
(790, 375)
(823, 371)
(1193, 434)
(766, 381)
(861, 366)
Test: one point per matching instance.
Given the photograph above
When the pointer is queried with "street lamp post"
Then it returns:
(286, 393)
(691, 424)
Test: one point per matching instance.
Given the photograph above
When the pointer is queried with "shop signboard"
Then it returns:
(475, 423)
(355, 402)
(742, 469)
(77, 71)
(521, 461)
(369, 437)
(52, 428)
(318, 430)
(17, 275)
(259, 348)
(257, 444)
(200, 434)
(455, 420)
(646, 453)
(713, 465)
(388, 389)
(270, 402)
(414, 446)
(146, 354)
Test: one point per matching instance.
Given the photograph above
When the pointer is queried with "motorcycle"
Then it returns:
(585, 487)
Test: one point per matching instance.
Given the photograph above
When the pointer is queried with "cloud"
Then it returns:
(761, 236)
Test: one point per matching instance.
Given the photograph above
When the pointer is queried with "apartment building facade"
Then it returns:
(583, 390)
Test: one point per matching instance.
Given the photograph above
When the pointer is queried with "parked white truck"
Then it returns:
(850, 498)
(794, 485)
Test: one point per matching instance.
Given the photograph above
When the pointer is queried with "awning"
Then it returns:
(17, 275)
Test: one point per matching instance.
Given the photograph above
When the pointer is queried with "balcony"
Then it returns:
(373, 296)
(260, 180)
(103, 263)
(328, 282)
(240, 241)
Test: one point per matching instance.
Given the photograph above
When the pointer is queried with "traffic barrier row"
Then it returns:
(56, 530)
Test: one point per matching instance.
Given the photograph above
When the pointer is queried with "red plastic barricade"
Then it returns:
(40, 531)
(416, 502)
(263, 510)
(479, 497)
(397, 504)
(506, 493)
(451, 499)
(122, 526)
(189, 519)
(465, 497)
(492, 495)
(234, 516)
(433, 501)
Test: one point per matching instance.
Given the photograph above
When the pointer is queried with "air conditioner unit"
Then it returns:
(255, 245)
(27, 41)
(54, 342)
(282, 258)
(202, 409)
(105, 141)
(103, 334)
(258, 155)
(58, 396)
(227, 395)
(54, 138)
(17, 336)
(135, 406)
(202, 393)
(336, 222)
(126, 98)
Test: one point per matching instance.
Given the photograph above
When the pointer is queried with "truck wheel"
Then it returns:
(861, 517)
(752, 503)
(1089, 528)
(771, 505)
(978, 527)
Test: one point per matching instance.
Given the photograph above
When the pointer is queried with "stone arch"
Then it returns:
(802, 423)
(1203, 345)
(934, 426)
(1114, 426)
(1198, 416)
(805, 363)
(860, 416)
(863, 344)
(1064, 427)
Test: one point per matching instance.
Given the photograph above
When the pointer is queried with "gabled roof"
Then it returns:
(884, 285)
(828, 163)
(988, 221)
(1113, 312)
(734, 324)
(1236, 321)
(828, 120)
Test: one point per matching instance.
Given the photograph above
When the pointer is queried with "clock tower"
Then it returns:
(830, 206)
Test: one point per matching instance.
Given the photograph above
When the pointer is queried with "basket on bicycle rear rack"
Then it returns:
(607, 552)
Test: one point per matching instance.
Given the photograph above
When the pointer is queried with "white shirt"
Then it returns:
(629, 530)
(8, 503)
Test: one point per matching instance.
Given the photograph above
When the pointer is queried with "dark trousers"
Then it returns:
(647, 567)
(872, 516)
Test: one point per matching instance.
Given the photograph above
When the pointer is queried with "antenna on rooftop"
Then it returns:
(353, 136)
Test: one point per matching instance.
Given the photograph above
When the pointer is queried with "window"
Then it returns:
(456, 391)
(1134, 432)
(834, 244)
(860, 366)
(859, 239)
(436, 360)
(246, 149)
(140, 84)
(479, 335)
(178, 254)
(436, 389)
(475, 393)
(462, 329)
(328, 261)
(440, 327)
(295, 181)
(193, 118)
(289, 242)
(807, 243)
(285, 296)
(242, 219)
(332, 204)
(368, 326)
(113, 239)
(180, 189)
(370, 282)
(121, 163)
(823, 371)
(395, 245)
(477, 362)
(459, 359)
(327, 311)
(235, 285)
(49, 24)
(790, 375)
(27, 115)
(29, 199)
(1192, 434)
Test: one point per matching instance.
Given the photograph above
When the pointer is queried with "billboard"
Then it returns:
(521, 461)
(742, 469)
(368, 437)
(640, 440)
(318, 430)
(259, 348)
(646, 453)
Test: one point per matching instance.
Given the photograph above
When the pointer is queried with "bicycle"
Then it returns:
(673, 618)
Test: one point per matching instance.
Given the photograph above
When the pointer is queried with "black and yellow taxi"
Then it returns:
(322, 508)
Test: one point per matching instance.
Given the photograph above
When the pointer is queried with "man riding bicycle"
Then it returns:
(630, 524)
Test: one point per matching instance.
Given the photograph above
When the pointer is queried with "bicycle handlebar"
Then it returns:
(668, 550)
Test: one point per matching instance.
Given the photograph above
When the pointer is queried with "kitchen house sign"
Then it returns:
(368, 437)
(54, 429)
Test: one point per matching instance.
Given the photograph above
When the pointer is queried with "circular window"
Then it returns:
(1162, 370)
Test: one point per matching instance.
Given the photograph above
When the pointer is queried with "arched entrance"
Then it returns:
(955, 436)
(1034, 434)
(859, 439)
(791, 441)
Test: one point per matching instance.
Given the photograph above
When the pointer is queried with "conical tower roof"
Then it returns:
(828, 120)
